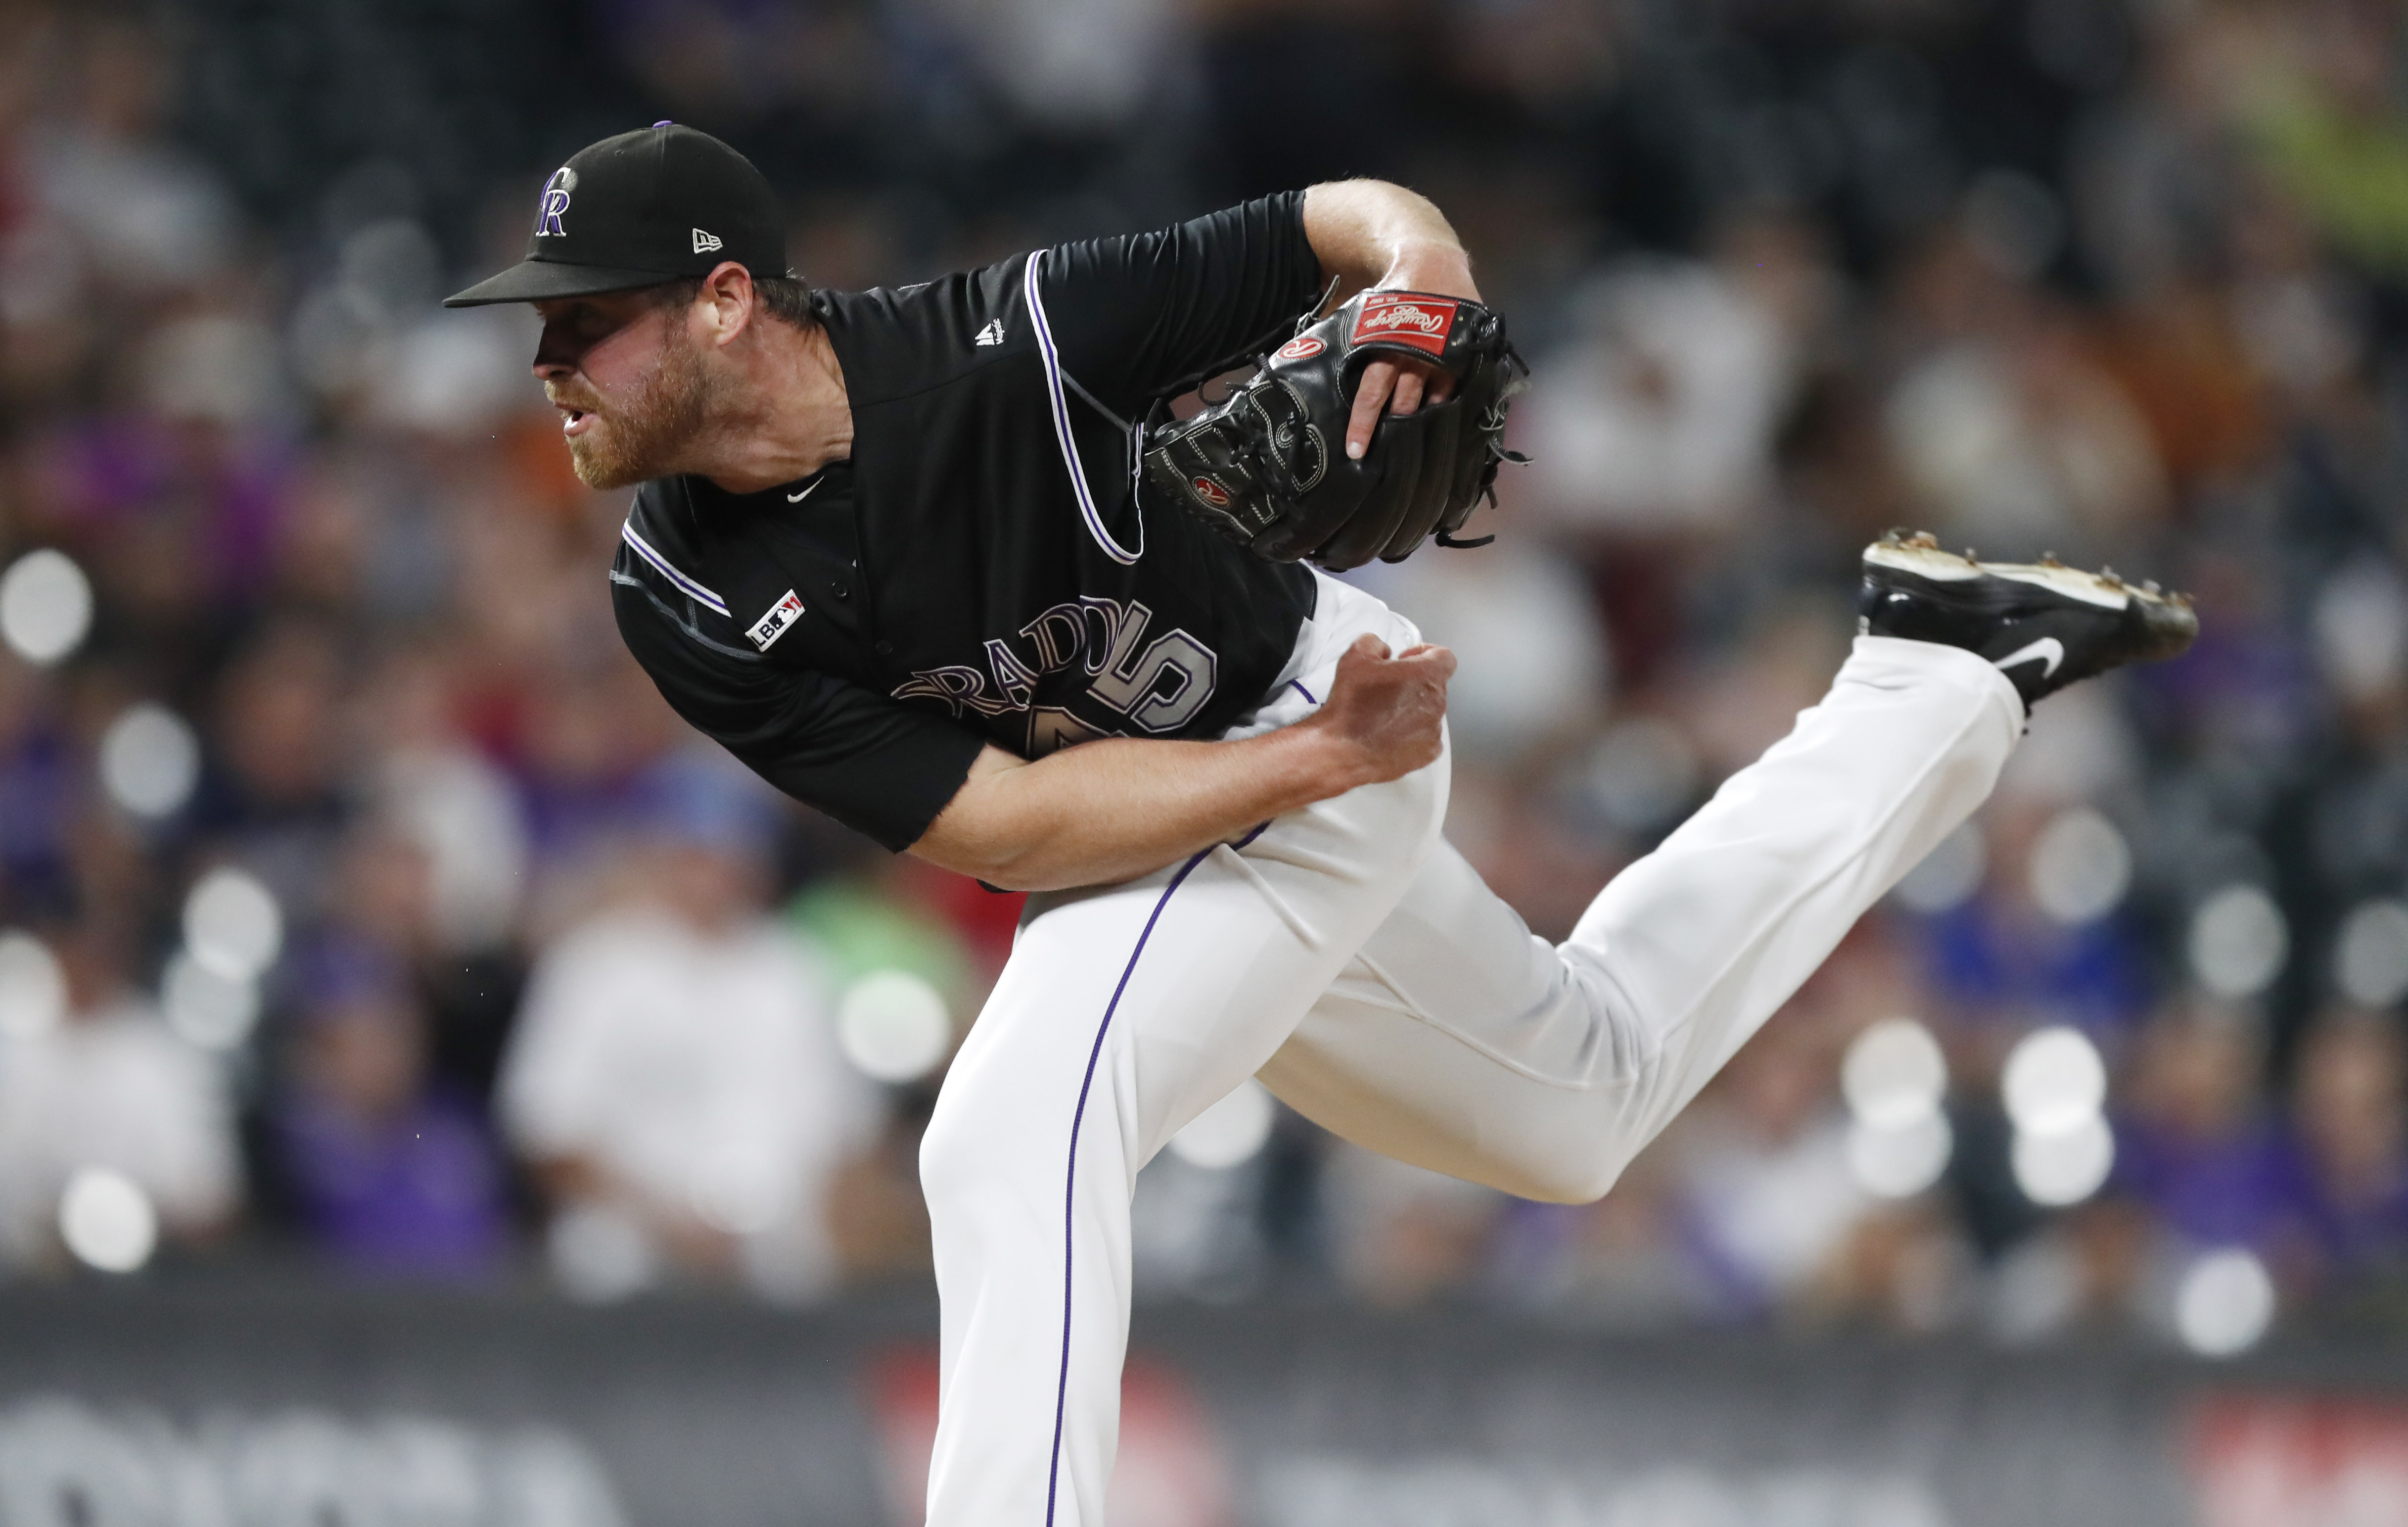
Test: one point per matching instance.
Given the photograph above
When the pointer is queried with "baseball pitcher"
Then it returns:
(937, 561)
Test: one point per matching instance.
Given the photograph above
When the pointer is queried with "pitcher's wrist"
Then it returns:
(1437, 267)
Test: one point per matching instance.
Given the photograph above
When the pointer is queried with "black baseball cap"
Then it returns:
(639, 209)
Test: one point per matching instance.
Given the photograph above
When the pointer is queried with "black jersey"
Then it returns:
(981, 570)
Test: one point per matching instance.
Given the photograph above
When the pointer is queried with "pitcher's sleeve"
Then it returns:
(1135, 314)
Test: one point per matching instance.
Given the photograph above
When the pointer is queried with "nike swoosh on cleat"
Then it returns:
(2047, 647)
(798, 497)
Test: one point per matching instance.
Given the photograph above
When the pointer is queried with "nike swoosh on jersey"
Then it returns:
(2047, 648)
(798, 497)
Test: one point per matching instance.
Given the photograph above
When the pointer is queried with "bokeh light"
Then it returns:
(1229, 1133)
(106, 1220)
(1894, 1075)
(2055, 1088)
(45, 605)
(2239, 941)
(1902, 1159)
(33, 988)
(892, 1026)
(2063, 1167)
(2081, 867)
(2054, 1081)
(2370, 957)
(232, 925)
(2225, 1303)
(211, 1011)
(150, 761)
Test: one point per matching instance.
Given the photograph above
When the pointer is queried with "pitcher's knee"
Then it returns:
(1574, 1179)
(1570, 1167)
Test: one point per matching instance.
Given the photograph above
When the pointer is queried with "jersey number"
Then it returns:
(1160, 686)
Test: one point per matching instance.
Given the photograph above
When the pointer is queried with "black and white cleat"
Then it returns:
(2044, 624)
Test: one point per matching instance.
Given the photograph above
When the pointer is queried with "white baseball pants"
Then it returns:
(1352, 959)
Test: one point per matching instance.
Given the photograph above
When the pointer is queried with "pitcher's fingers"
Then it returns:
(1409, 393)
(1371, 392)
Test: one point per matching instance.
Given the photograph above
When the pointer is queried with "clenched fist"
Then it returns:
(1388, 711)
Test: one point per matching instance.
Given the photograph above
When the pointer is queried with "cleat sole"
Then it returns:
(1939, 566)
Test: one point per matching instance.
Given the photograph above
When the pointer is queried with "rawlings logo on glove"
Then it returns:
(1266, 465)
(1417, 320)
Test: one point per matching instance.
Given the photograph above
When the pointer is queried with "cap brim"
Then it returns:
(539, 280)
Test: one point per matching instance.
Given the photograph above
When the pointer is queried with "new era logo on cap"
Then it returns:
(705, 242)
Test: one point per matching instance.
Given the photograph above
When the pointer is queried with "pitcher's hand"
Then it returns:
(1388, 711)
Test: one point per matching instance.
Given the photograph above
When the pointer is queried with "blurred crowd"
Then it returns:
(366, 910)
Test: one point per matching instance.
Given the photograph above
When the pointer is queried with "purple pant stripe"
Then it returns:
(1071, 1193)
(1298, 684)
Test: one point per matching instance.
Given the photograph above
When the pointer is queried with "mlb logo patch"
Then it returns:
(1405, 318)
(769, 627)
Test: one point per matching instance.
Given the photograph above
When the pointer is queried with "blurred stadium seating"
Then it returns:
(326, 788)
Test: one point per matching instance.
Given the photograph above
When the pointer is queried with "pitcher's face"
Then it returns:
(630, 382)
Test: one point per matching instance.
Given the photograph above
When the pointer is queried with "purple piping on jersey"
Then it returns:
(1298, 684)
(1071, 1193)
(644, 549)
(1062, 423)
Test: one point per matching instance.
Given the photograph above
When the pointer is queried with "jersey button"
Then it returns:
(841, 591)
(885, 648)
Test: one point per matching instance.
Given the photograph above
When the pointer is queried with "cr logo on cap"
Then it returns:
(554, 203)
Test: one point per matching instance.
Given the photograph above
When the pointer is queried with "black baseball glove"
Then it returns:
(1268, 466)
